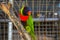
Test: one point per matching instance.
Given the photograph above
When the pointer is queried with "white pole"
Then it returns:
(10, 25)
(10, 30)
(11, 1)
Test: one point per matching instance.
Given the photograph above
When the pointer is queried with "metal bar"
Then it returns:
(35, 19)
(11, 1)
(46, 19)
(10, 30)
(5, 20)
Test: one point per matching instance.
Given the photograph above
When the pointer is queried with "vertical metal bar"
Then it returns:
(59, 30)
(10, 25)
(4, 31)
(10, 30)
(45, 22)
(11, 1)
(0, 32)
(33, 7)
(53, 16)
(26, 3)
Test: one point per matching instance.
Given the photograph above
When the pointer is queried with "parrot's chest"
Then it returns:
(23, 18)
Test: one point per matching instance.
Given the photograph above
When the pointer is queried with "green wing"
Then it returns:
(30, 27)
(30, 23)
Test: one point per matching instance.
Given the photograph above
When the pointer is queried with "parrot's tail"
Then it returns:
(33, 36)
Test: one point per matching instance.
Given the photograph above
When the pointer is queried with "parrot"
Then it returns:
(27, 20)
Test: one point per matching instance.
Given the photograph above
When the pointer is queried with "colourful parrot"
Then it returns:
(27, 21)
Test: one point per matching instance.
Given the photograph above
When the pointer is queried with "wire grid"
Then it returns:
(3, 31)
(44, 30)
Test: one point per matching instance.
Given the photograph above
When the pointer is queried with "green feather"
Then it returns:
(28, 29)
(21, 10)
(30, 23)
(31, 27)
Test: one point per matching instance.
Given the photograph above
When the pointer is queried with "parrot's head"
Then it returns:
(27, 11)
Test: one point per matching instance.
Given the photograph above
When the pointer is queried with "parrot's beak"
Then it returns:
(29, 13)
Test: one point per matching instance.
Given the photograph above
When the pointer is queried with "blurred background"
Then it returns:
(46, 15)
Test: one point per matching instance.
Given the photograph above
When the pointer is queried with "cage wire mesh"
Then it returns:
(46, 15)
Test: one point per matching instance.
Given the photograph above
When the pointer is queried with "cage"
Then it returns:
(46, 16)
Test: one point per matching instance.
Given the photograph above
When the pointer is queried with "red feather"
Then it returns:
(22, 17)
